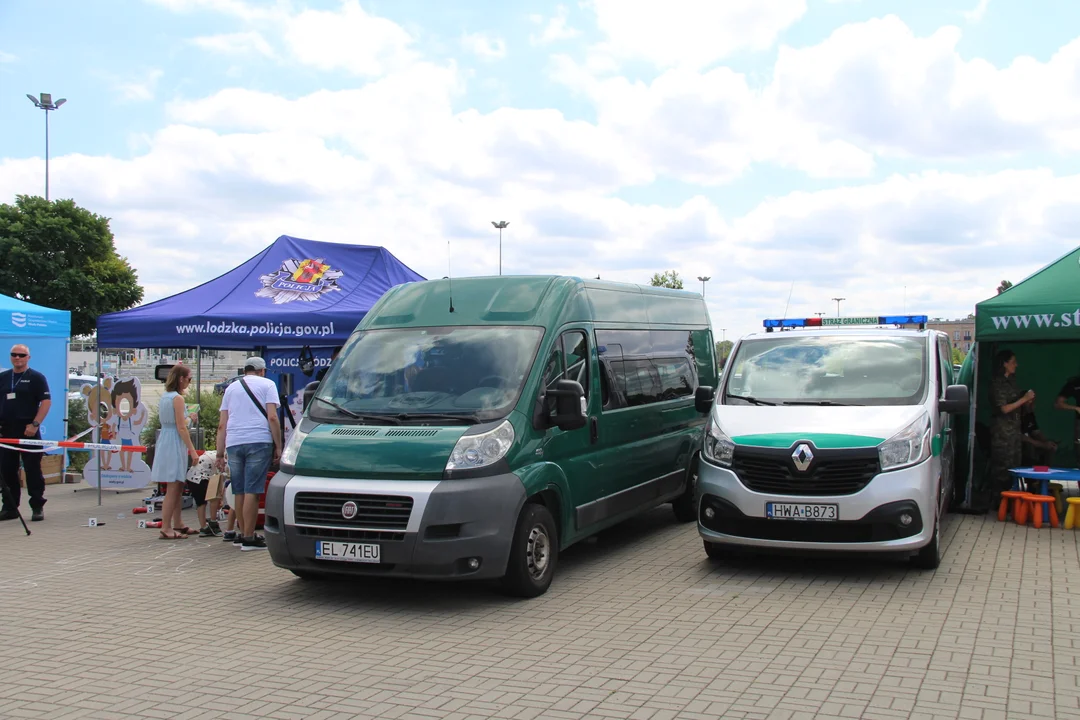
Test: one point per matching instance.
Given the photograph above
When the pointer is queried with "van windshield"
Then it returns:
(467, 374)
(828, 371)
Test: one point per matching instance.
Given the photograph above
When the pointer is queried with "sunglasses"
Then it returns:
(18, 355)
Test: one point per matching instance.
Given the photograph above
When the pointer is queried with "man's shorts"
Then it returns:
(248, 466)
(198, 491)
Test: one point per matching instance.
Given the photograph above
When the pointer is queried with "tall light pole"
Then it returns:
(704, 279)
(45, 102)
(837, 301)
(500, 225)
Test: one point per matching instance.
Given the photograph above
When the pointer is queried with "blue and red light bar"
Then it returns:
(919, 320)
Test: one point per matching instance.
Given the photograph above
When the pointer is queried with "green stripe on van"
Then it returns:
(821, 440)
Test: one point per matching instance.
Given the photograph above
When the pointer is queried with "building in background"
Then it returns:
(961, 332)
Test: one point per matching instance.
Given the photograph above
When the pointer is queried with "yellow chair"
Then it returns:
(1073, 514)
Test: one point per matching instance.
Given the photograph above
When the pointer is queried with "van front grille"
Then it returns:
(373, 512)
(832, 472)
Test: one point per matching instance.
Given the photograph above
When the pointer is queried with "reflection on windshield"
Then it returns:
(472, 373)
(850, 371)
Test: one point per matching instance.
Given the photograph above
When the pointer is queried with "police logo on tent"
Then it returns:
(306, 280)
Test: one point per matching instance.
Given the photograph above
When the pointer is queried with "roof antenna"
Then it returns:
(449, 277)
(789, 299)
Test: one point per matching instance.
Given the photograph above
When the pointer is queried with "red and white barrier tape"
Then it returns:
(70, 445)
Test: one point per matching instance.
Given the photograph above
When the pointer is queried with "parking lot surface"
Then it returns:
(110, 622)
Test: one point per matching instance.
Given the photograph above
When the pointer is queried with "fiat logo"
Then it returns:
(349, 510)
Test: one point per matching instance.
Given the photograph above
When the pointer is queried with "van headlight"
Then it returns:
(292, 448)
(718, 447)
(477, 451)
(908, 447)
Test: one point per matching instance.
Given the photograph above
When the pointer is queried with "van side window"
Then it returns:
(569, 360)
(945, 365)
(649, 366)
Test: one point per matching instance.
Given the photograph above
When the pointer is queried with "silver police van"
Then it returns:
(823, 436)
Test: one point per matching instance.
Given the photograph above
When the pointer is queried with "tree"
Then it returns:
(62, 256)
(958, 356)
(1005, 285)
(723, 349)
(669, 279)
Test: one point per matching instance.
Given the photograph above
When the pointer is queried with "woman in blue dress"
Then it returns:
(172, 453)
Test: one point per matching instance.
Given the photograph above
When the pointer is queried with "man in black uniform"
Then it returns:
(1071, 389)
(1037, 449)
(24, 403)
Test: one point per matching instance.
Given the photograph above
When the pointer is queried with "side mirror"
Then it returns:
(957, 400)
(703, 399)
(569, 405)
(161, 372)
(309, 393)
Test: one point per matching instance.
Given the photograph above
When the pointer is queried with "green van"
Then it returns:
(475, 428)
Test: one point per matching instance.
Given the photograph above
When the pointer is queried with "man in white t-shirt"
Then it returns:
(250, 431)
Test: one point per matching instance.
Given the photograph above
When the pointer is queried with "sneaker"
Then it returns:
(229, 536)
(38, 516)
(9, 515)
(206, 532)
(255, 542)
(213, 525)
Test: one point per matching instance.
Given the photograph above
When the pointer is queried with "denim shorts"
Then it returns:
(248, 466)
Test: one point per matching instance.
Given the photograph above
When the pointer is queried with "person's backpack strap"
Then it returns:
(254, 399)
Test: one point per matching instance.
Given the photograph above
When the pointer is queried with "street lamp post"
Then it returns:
(500, 225)
(704, 279)
(45, 102)
(837, 301)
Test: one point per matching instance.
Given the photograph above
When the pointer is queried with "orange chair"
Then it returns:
(1036, 501)
(1019, 506)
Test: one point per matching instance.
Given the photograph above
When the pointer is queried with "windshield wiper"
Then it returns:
(751, 400)
(818, 402)
(405, 417)
(389, 419)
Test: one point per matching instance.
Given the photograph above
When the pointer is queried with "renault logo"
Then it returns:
(802, 457)
(349, 510)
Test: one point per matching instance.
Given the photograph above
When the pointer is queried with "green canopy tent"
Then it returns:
(1039, 320)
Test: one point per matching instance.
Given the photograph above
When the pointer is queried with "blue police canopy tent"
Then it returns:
(296, 292)
(46, 332)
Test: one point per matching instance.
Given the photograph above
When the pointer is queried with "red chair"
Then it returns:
(1019, 506)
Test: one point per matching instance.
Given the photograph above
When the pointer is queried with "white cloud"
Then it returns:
(350, 39)
(140, 88)
(880, 87)
(483, 46)
(239, 43)
(249, 11)
(690, 32)
(555, 27)
(6, 57)
(976, 14)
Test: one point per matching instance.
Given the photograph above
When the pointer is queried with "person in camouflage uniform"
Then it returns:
(1005, 433)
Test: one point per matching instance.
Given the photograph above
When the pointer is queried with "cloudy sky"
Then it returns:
(903, 155)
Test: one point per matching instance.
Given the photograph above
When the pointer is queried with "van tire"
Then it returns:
(929, 557)
(714, 551)
(534, 553)
(684, 506)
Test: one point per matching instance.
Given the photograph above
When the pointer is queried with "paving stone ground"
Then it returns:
(111, 622)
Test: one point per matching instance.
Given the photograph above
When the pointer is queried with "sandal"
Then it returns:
(175, 536)
(186, 531)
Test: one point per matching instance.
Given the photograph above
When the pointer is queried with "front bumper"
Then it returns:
(450, 523)
(869, 520)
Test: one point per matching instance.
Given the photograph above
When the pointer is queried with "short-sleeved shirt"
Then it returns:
(30, 388)
(1071, 389)
(246, 423)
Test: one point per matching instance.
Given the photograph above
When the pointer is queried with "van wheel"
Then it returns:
(684, 506)
(929, 557)
(534, 553)
(713, 550)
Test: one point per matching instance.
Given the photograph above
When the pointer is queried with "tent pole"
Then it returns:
(198, 390)
(971, 427)
(97, 428)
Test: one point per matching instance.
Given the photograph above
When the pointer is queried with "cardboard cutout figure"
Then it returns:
(116, 408)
